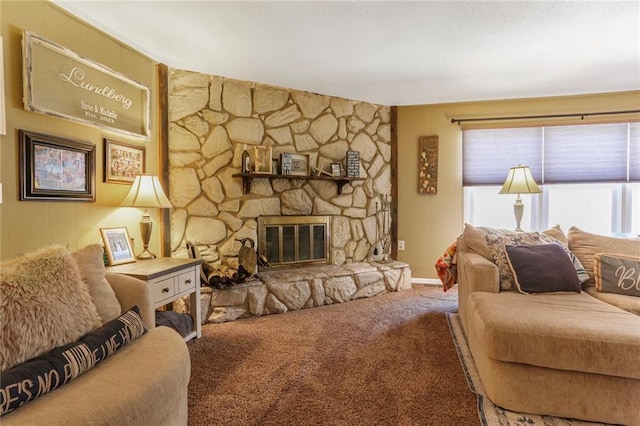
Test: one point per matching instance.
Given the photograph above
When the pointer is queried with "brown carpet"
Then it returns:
(387, 360)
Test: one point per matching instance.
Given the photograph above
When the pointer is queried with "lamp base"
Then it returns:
(145, 232)
(146, 255)
(518, 210)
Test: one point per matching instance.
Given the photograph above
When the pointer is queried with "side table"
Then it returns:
(169, 278)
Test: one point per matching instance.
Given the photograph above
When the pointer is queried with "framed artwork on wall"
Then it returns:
(117, 245)
(56, 169)
(428, 165)
(122, 162)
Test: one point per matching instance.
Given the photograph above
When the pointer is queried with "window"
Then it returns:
(590, 176)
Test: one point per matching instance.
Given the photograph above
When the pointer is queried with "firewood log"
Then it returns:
(230, 273)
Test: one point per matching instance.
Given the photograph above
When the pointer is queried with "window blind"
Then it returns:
(558, 154)
(634, 152)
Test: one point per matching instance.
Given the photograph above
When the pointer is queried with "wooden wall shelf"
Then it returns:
(248, 177)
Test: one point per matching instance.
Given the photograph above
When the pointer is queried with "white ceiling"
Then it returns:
(388, 52)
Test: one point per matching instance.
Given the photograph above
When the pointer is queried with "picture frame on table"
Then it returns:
(336, 170)
(123, 162)
(56, 169)
(299, 164)
(117, 245)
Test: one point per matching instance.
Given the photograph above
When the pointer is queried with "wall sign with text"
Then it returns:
(61, 83)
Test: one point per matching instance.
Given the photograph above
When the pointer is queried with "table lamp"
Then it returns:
(519, 181)
(146, 192)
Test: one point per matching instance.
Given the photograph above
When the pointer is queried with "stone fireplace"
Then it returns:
(326, 228)
(213, 118)
(294, 241)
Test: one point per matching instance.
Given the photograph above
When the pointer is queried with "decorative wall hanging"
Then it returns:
(122, 162)
(428, 165)
(61, 83)
(54, 168)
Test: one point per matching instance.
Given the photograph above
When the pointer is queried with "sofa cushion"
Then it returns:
(628, 303)
(490, 243)
(41, 375)
(43, 304)
(143, 384)
(586, 245)
(542, 268)
(568, 331)
(91, 265)
(557, 233)
(617, 273)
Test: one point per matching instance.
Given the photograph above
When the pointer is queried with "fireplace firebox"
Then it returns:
(293, 241)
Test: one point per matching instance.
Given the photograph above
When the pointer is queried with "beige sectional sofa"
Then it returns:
(143, 383)
(566, 354)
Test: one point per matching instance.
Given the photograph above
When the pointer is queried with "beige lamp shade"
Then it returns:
(146, 192)
(520, 181)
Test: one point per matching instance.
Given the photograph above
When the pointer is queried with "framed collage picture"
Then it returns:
(122, 162)
(56, 169)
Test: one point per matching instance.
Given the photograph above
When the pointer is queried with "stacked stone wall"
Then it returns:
(212, 118)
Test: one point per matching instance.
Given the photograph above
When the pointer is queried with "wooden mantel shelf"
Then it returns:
(248, 177)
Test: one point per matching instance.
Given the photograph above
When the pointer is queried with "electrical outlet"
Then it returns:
(401, 245)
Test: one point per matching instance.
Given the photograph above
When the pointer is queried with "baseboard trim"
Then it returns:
(426, 281)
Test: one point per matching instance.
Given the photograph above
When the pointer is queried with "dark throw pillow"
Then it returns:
(41, 375)
(542, 268)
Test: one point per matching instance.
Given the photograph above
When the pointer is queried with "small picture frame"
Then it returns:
(122, 162)
(262, 160)
(285, 163)
(335, 170)
(56, 169)
(299, 164)
(117, 245)
(353, 164)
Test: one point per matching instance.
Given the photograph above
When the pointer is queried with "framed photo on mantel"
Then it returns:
(300, 164)
(262, 160)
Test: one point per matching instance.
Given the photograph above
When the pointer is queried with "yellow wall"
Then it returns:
(429, 223)
(28, 225)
